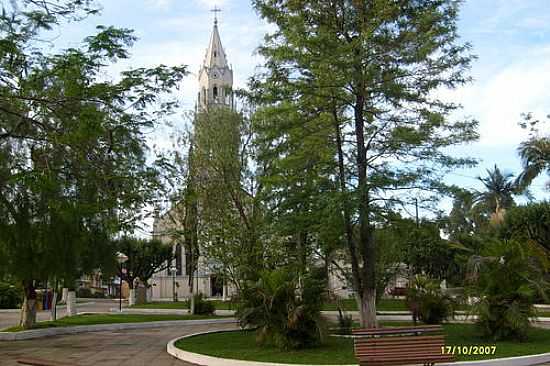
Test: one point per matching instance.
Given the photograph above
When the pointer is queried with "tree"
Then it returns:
(498, 195)
(145, 258)
(227, 194)
(506, 278)
(528, 223)
(73, 167)
(370, 69)
(535, 159)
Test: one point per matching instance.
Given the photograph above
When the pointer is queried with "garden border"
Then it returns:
(47, 332)
(204, 360)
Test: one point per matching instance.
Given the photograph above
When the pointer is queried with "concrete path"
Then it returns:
(132, 348)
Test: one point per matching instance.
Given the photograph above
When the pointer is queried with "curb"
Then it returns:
(48, 332)
(200, 359)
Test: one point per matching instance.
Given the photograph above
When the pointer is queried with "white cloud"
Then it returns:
(501, 94)
(212, 3)
(161, 4)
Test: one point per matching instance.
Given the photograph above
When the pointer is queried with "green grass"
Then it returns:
(242, 346)
(382, 305)
(90, 319)
(183, 305)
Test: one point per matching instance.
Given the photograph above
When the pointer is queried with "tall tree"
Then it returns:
(73, 167)
(372, 68)
(499, 192)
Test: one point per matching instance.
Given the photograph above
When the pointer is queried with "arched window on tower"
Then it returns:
(215, 53)
(215, 92)
(204, 96)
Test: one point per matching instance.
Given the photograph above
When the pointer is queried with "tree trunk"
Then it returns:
(64, 295)
(367, 288)
(71, 303)
(28, 310)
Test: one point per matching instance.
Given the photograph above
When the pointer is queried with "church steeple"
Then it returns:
(215, 75)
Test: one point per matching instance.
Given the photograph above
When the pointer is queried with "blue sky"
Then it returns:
(511, 76)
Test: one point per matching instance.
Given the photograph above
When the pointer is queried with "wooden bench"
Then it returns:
(400, 346)
(40, 362)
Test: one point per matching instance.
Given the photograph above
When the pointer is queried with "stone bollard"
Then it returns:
(71, 303)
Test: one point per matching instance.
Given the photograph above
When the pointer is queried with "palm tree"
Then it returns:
(535, 158)
(499, 191)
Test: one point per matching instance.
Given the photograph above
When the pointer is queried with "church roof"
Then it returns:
(215, 55)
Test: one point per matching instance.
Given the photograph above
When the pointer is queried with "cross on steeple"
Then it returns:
(216, 10)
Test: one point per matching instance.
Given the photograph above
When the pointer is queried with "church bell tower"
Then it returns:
(215, 75)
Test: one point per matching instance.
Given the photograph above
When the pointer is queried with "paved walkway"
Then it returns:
(133, 347)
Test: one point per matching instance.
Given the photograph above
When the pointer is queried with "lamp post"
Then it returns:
(174, 293)
(121, 258)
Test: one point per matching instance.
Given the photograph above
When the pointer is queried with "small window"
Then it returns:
(215, 54)
(215, 92)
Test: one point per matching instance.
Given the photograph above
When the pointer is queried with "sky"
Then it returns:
(511, 39)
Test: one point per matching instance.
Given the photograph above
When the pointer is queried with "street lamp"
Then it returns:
(174, 293)
(121, 258)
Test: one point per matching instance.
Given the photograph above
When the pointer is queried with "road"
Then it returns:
(133, 347)
(9, 319)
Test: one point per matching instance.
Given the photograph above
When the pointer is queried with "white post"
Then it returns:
(71, 303)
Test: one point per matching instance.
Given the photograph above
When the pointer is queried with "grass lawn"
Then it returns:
(241, 345)
(90, 319)
(183, 305)
(382, 305)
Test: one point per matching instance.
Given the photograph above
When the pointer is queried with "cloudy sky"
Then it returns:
(510, 37)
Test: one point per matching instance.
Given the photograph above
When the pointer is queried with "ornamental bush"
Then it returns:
(507, 279)
(203, 306)
(285, 311)
(427, 301)
(11, 296)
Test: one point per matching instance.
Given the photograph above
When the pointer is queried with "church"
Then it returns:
(215, 79)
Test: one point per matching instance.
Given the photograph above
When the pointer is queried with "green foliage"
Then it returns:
(203, 306)
(349, 125)
(145, 257)
(287, 312)
(73, 157)
(427, 301)
(529, 222)
(11, 296)
(507, 279)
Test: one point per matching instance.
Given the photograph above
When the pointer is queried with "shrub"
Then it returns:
(427, 301)
(84, 293)
(202, 306)
(506, 279)
(11, 297)
(285, 313)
